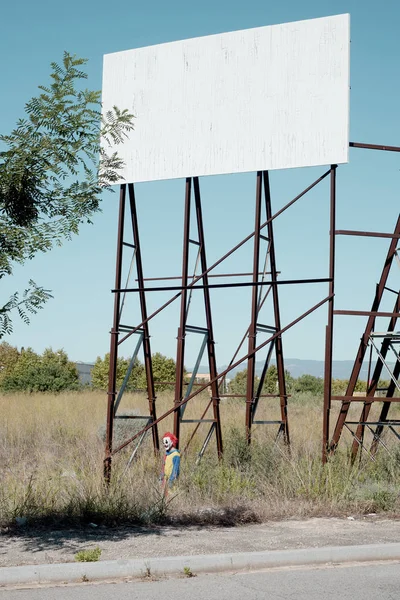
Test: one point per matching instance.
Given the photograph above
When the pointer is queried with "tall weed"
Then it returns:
(51, 469)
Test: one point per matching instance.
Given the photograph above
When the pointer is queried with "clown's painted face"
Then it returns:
(167, 443)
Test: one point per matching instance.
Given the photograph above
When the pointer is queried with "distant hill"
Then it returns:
(341, 369)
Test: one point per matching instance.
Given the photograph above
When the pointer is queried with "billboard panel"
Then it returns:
(272, 97)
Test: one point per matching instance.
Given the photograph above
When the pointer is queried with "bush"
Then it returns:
(99, 373)
(88, 555)
(238, 385)
(163, 370)
(309, 383)
(49, 372)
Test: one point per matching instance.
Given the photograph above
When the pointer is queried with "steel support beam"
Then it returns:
(251, 361)
(112, 373)
(277, 317)
(329, 327)
(374, 147)
(180, 351)
(151, 395)
(212, 363)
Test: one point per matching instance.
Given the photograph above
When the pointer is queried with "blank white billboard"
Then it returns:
(267, 98)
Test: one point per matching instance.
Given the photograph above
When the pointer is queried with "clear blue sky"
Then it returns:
(81, 273)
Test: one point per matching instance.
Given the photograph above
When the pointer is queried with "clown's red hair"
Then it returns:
(172, 437)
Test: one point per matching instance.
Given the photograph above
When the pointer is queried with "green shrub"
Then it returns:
(49, 372)
(92, 555)
(163, 370)
(99, 373)
(309, 383)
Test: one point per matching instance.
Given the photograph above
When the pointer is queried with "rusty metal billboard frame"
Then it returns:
(261, 287)
(330, 444)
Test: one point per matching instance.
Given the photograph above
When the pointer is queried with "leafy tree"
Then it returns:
(163, 371)
(361, 386)
(9, 356)
(289, 382)
(99, 373)
(309, 383)
(49, 372)
(271, 380)
(339, 386)
(53, 169)
(238, 385)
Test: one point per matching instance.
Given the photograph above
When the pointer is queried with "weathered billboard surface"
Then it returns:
(273, 97)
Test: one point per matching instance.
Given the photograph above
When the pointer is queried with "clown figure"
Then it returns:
(172, 459)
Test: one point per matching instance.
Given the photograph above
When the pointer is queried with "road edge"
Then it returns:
(210, 563)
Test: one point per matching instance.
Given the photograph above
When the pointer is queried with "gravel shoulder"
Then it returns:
(30, 546)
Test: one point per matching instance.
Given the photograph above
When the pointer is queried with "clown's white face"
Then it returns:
(167, 444)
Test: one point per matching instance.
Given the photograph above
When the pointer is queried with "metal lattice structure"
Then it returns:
(382, 343)
(265, 280)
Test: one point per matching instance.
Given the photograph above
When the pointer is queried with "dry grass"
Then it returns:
(51, 467)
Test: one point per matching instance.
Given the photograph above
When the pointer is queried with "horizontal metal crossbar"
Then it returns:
(365, 399)
(394, 422)
(366, 313)
(179, 277)
(374, 147)
(130, 328)
(192, 286)
(131, 417)
(260, 396)
(194, 329)
(386, 335)
(267, 422)
(367, 233)
(198, 421)
(266, 328)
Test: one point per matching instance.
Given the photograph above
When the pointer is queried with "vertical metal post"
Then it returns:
(275, 296)
(251, 362)
(329, 327)
(180, 352)
(364, 340)
(207, 305)
(112, 374)
(146, 336)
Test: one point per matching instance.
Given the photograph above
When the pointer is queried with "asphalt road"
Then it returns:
(355, 582)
